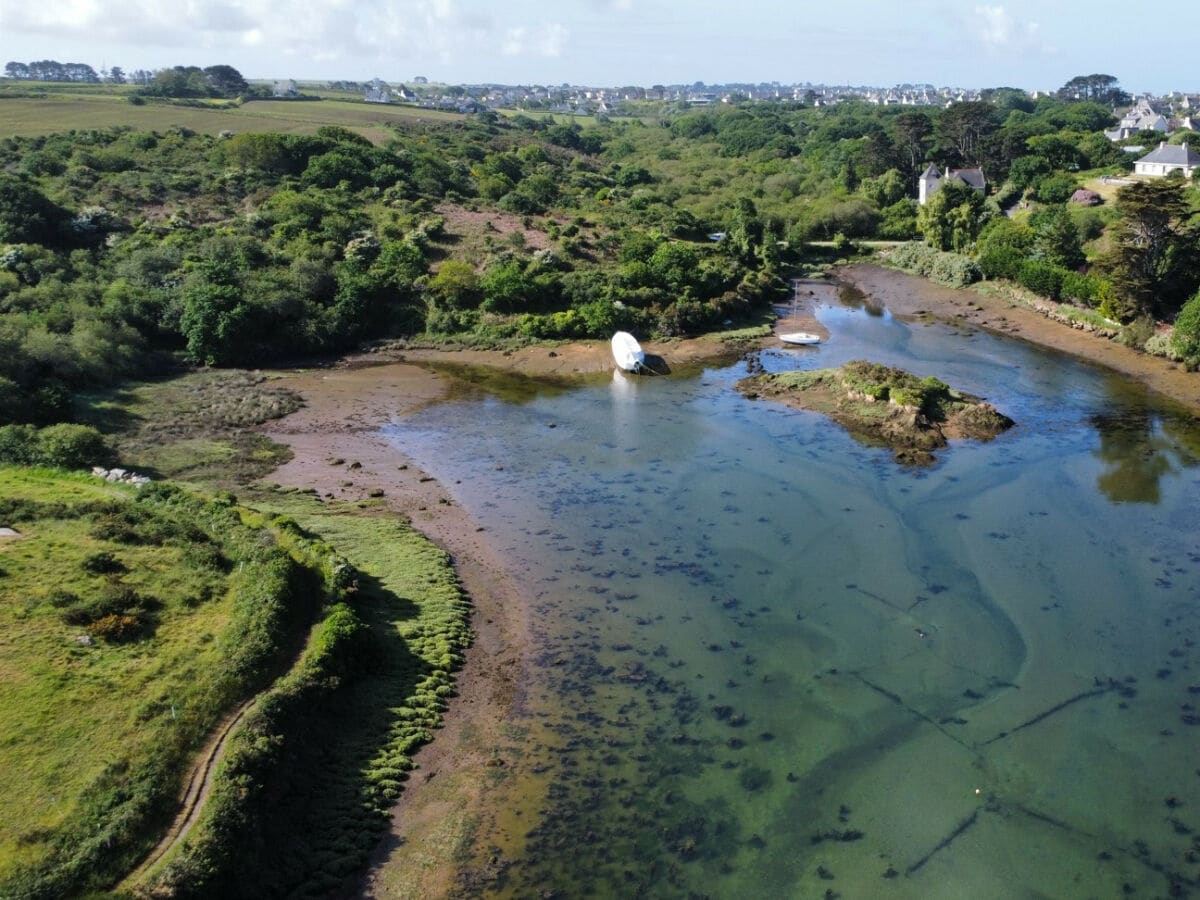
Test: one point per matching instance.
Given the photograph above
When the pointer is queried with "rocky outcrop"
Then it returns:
(120, 476)
(883, 406)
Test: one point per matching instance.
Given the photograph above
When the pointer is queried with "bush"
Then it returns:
(102, 563)
(117, 629)
(1185, 339)
(1086, 289)
(72, 447)
(954, 270)
(1042, 278)
(1138, 333)
(1162, 344)
(950, 269)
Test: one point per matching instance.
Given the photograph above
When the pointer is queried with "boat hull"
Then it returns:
(802, 338)
(627, 352)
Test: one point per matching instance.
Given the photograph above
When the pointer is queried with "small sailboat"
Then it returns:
(800, 337)
(627, 352)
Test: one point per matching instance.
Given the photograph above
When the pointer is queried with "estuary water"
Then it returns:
(771, 662)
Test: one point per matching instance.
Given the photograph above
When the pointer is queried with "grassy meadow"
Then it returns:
(310, 822)
(131, 622)
(29, 112)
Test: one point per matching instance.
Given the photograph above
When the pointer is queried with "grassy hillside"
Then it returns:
(296, 816)
(131, 623)
(26, 115)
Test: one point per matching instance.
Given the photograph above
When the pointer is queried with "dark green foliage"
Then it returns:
(62, 446)
(27, 215)
(1155, 262)
(1185, 339)
(953, 217)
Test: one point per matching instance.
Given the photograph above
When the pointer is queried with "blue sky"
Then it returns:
(613, 42)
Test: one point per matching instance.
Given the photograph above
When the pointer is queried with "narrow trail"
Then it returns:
(194, 796)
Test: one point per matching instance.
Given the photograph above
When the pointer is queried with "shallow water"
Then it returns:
(771, 662)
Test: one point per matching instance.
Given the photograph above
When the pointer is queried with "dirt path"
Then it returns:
(195, 794)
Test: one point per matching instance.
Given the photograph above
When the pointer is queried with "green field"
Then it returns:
(131, 622)
(23, 114)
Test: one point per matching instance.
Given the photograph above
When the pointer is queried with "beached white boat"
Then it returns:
(627, 352)
(800, 337)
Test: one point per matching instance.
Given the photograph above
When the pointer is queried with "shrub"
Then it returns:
(1137, 333)
(1185, 339)
(1162, 344)
(1042, 278)
(117, 629)
(950, 269)
(72, 446)
(1086, 289)
(102, 563)
(954, 270)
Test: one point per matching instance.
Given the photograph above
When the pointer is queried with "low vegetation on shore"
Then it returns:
(134, 620)
(137, 619)
(884, 406)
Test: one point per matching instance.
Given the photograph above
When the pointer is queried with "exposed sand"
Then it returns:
(907, 295)
(453, 795)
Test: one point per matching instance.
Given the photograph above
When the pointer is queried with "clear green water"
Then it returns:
(775, 664)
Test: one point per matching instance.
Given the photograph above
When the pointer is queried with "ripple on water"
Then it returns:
(777, 665)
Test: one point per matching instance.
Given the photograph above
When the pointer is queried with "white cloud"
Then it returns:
(357, 32)
(998, 29)
(547, 40)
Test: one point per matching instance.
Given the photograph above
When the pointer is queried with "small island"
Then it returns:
(883, 406)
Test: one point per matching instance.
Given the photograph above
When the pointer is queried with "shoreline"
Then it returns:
(452, 794)
(344, 409)
(907, 295)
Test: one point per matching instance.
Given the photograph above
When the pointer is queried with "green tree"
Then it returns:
(213, 309)
(744, 230)
(963, 128)
(951, 218)
(26, 214)
(889, 188)
(912, 132)
(1056, 241)
(1185, 339)
(1153, 261)
(455, 286)
(226, 81)
(1104, 89)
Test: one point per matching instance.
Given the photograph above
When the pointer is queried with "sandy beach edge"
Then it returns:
(338, 450)
(450, 797)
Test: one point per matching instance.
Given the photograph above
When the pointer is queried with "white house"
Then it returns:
(931, 181)
(1166, 159)
(378, 92)
(1142, 117)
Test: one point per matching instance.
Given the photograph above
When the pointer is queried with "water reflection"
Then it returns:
(852, 297)
(772, 664)
(1138, 448)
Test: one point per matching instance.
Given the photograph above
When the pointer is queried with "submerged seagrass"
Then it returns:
(885, 406)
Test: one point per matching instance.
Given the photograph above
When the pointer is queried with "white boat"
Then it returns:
(800, 337)
(627, 352)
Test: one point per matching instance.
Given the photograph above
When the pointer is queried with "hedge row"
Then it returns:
(1044, 279)
(950, 269)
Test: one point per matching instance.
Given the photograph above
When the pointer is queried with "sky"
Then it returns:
(1032, 44)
